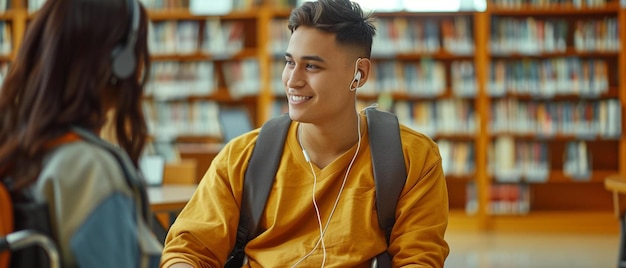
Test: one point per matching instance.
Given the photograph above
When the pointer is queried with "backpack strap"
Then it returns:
(388, 164)
(258, 182)
(389, 170)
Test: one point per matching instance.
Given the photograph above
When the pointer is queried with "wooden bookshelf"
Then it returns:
(558, 204)
(562, 203)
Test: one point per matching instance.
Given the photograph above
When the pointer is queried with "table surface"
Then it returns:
(170, 197)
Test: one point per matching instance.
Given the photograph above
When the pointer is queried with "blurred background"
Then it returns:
(524, 97)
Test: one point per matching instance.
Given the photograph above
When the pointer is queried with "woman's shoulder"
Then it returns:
(82, 163)
(80, 154)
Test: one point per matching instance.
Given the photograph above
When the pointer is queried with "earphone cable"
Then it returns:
(332, 212)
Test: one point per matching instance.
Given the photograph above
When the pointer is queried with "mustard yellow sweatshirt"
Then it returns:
(204, 232)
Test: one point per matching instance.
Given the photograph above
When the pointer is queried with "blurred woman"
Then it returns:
(79, 60)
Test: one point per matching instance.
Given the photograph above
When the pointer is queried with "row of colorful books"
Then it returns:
(439, 117)
(504, 199)
(512, 160)
(165, 4)
(218, 38)
(402, 35)
(533, 36)
(423, 78)
(175, 80)
(583, 119)
(549, 77)
(185, 4)
(168, 120)
(171, 80)
(406, 35)
(457, 157)
(548, 3)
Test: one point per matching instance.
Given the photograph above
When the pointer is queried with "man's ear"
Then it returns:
(363, 67)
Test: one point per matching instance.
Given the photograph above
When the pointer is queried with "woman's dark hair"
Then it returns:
(341, 17)
(61, 77)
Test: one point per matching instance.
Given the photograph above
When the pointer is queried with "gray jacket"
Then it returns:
(95, 206)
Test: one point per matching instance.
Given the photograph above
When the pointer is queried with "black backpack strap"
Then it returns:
(258, 183)
(389, 169)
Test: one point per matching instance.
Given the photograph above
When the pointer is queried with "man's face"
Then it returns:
(317, 77)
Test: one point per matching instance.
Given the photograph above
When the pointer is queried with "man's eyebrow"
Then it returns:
(313, 58)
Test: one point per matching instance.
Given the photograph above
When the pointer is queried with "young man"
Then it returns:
(321, 210)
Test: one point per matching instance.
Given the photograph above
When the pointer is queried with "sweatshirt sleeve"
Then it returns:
(417, 239)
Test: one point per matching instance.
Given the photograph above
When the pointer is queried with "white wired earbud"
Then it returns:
(357, 75)
(357, 79)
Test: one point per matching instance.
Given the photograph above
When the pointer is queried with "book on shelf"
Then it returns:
(223, 38)
(534, 161)
(471, 201)
(169, 120)
(527, 36)
(457, 158)
(509, 198)
(457, 35)
(179, 80)
(513, 161)
(585, 119)
(546, 4)
(6, 38)
(173, 37)
(279, 37)
(504, 165)
(242, 77)
(402, 35)
(164, 4)
(600, 35)
(438, 117)
(220, 39)
(276, 69)
(463, 79)
(423, 78)
(577, 161)
(426, 77)
(546, 78)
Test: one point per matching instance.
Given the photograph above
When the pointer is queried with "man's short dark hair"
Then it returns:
(344, 18)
